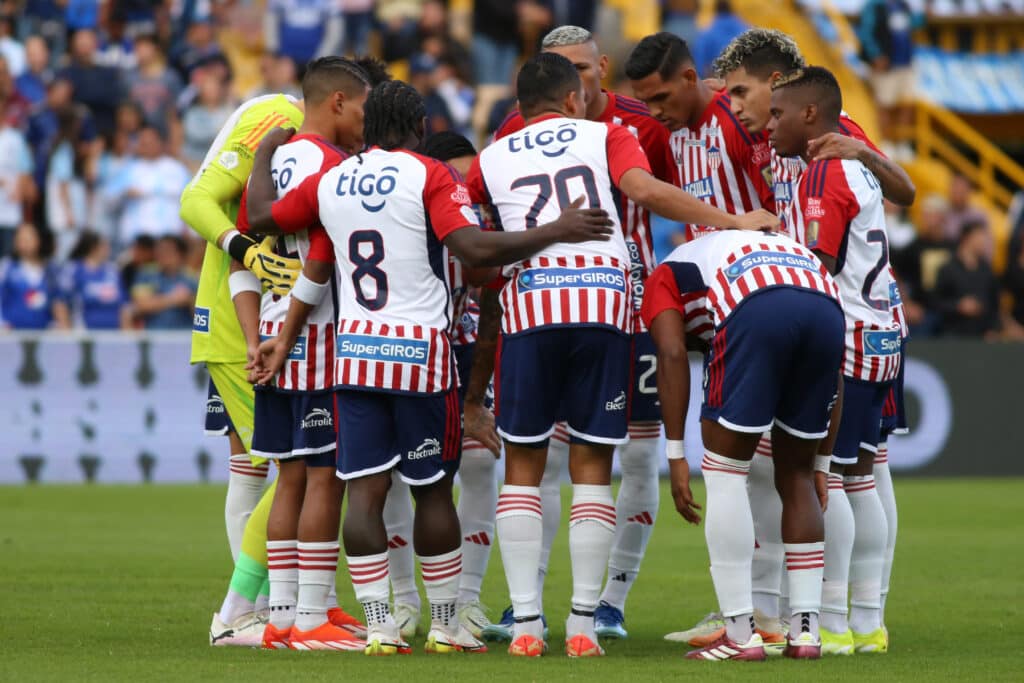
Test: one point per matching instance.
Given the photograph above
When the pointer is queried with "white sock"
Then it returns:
(234, 606)
(318, 567)
(729, 530)
(636, 509)
(245, 488)
(766, 509)
(398, 519)
(868, 554)
(519, 535)
(441, 574)
(551, 500)
(370, 581)
(886, 493)
(839, 529)
(805, 564)
(332, 595)
(591, 532)
(263, 599)
(478, 498)
(283, 573)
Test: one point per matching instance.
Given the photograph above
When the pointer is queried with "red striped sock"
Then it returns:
(318, 565)
(283, 574)
(370, 581)
(805, 564)
(591, 533)
(441, 575)
(519, 526)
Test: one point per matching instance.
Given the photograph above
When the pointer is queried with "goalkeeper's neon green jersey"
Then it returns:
(210, 204)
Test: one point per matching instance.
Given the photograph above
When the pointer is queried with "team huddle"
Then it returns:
(381, 310)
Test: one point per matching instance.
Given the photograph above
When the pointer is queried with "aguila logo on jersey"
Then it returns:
(777, 259)
(714, 159)
(814, 209)
(201, 320)
(372, 186)
(318, 417)
(700, 188)
(551, 278)
(527, 140)
(616, 404)
(881, 342)
(430, 448)
(385, 349)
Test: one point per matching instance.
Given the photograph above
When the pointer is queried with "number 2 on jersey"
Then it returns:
(366, 267)
(882, 263)
(558, 185)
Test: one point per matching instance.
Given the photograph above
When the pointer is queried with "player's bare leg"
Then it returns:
(282, 551)
(866, 561)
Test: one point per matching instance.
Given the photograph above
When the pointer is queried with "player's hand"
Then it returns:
(821, 488)
(582, 225)
(835, 146)
(758, 220)
(272, 355)
(276, 273)
(679, 473)
(253, 363)
(478, 423)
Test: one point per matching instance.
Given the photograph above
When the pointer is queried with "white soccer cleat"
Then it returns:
(706, 628)
(473, 618)
(441, 640)
(384, 640)
(408, 619)
(245, 631)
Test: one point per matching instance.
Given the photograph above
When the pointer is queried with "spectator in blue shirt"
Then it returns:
(720, 32)
(29, 291)
(886, 37)
(302, 29)
(91, 286)
(33, 81)
(97, 87)
(163, 295)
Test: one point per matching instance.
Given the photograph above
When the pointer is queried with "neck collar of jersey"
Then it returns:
(546, 117)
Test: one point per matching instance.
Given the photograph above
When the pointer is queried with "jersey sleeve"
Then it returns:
(478, 193)
(654, 139)
(300, 208)
(661, 294)
(753, 154)
(320, 246)
(828, 206)
(851, 128)
(513, 123)
(624, 153)
(447, 201)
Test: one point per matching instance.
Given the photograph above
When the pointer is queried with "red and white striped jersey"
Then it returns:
(634, 116)
(387, 213)
(557, 158)
(465, 307)
(310, 365)
(721, 163)
(707, 279)
(841, 209)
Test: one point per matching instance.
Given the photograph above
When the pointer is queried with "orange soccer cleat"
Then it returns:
(527, 646)
(276, 638)
(326, 636)
(580, 645)
(341, 618)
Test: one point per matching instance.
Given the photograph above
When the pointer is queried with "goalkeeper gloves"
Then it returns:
(276, 273)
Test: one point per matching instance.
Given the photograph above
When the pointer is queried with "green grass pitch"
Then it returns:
(118, 583)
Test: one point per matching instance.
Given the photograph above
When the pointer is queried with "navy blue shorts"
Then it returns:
(290, 425)
(894, 413)
(860, 426)
(420, 436)
(645, 406)
(577, 374)
(776, 361)
(218, 422)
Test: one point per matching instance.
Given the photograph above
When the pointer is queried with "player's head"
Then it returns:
(548, 82)
(335, 90)
(395, 116)
(375, 70)
(805, 104)
(578, 46)
(452, 148)
(749, 65)
(664, 76)
(170, 253)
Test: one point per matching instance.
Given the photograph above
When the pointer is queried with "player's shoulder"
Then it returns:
(850, 128)
(734, 131)
(633, 111)
(512, 123)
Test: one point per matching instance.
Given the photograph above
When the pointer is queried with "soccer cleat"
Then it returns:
(326, 636)
(774, 642)
(408, 619)
(442, 641)
(876, 642)
(527, 646)
(609, 622)
(245, 631)
(707, 630)
(580, 645)
(343, 619)
(474, 619)
(836, 643)
(385, 641)
(805, 646)
(724, 648)
(276, 638)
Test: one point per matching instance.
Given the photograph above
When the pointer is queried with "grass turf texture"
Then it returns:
(117, 583)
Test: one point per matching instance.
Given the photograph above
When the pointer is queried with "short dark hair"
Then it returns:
(87, 241)
(761, 52)
(393, 111)
(330, 74)
(47, 240)
(822, 89)
(969, 228)
(545, 78)
(662, 52)
(375, 69)
(177, 241)
(448, 145)
(144, 242)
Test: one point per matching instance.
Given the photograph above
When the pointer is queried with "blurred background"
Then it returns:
(107, 107)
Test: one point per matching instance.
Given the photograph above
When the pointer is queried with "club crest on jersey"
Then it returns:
(536, 279)
(317, 418)
(201, 320)
(711, 134)
(385, 349)
(744, 264)
(714, 159)
(814, 209)
(700, 188)
(561, 137)
(430, 448)
(372, 186)
(881, 342)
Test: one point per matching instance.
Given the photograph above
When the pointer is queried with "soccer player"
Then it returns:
(718, 161)
(389, 212)
(637, 504)
(838, 208)
(565, 346)
(294, 421)
(776, 343)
